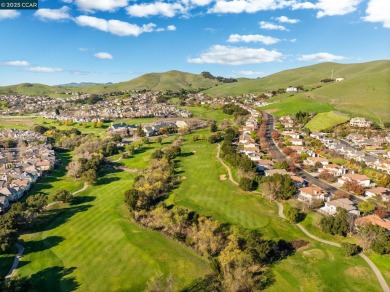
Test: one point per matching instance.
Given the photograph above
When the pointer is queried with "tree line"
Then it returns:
(241, 259)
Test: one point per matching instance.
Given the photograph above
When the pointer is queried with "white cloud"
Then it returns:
(102, 5)
(67, 1)
(53, 14)
(254, 38)
(15, 63)
(171, 27)
(103, 56)
(8, 14)
(228, 55)
(248, 6)
(157, 8)
(250, 73)
(44, 69)
(285, 19)
(329, 7)
(378, 11)
(85, 49)
(113, 26)
(201, 2)
(271, 26)
(321, 57)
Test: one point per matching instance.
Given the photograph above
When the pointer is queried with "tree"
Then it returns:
(349, 249)
(293, 214)
(247, 184)
(63, 196)
(375, 237)
(159, 140)
(74, 169)
(131, 198)
(130, 149)
(158, 154)
(381, 212)
(90, 176)
(355, 187)
(36, 203)
(366, 207)
(213, 126)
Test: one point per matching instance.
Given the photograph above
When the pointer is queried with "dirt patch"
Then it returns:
(315, 254)
(223, 177)
(297, 244)
(183, 177)
(270, 111)
(357, 272)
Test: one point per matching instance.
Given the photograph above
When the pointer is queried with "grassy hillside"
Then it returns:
(29, 89)
(173, 80)
(327, 120)
(291, 105)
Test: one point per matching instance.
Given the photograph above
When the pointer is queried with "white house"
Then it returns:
(359, 178)
(291, 89)
(309, 194)
(384, 193)
(330, 207)
(313, 160)
(334, 169)
(360, 122)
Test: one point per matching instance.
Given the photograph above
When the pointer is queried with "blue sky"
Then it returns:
(118, 40)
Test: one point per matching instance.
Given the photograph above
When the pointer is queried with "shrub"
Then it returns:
(349, 249)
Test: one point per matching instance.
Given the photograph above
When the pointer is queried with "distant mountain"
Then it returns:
(172, 80)
(82, 84)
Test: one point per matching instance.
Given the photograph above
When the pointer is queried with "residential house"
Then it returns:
(313, 160)
(298, 181)
(384, 193)
(359, 178)
(11, 193)
(291, 89)
(334, 169)
(360, 122)
(312, 193)
(271, 172)
(296, 142)
(373, 219)
(264, 164)
(330, 207)
(4, 204)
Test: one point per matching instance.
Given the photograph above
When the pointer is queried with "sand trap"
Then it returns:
(183, 177)
(223, 177)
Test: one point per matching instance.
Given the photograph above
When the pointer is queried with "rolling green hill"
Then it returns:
(29, 89)
(173, 80)
(365, 90)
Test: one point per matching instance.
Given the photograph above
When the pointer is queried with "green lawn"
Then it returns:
(326, 120)
(6, 261)
(208, 113)
(296, 103)
(382, 262)
(316, 267)
(93, 246)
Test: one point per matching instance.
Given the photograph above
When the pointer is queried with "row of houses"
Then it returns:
(18, 176)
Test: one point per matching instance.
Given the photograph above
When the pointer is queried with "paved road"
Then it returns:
(16, 261)
(278, 155)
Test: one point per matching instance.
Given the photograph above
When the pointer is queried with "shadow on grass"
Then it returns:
(54, 279)
(106, 180)
(78, 200)
(41, 245)
(54, 218)
(142, 150)
(186, 154)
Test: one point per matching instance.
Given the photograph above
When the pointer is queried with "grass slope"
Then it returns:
(293, 104)
(29, 89)
(93, 246)
(173, 80)
(316, 267)
(326, 120)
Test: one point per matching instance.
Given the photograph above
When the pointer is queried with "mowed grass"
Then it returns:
(315, 267)
(326, 120)
(382, 262)
(296, 103)
(93, 246)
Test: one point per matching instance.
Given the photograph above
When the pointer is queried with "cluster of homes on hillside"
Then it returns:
(139, 105)
(22, 166)
(19, 104)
